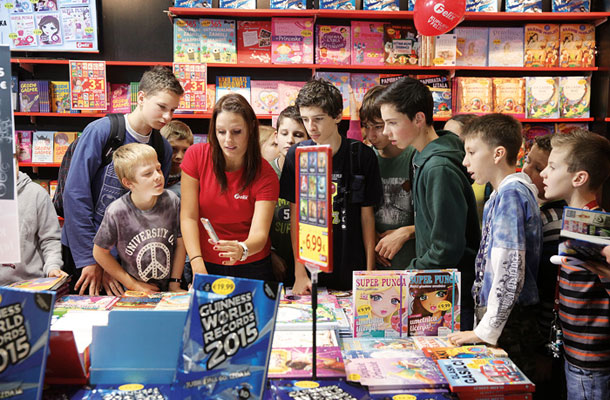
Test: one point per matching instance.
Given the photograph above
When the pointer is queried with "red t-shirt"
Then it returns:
(230, 212)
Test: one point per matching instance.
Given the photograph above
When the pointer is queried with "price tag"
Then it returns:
(88, 89)
(193, 78)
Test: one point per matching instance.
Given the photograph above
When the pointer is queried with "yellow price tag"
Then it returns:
(364, 309)
(306, 33)
(353, 377)
(313, 243)
(223, 286)
(444, 305)
(12, 35)
(404, 397)
(89, 29)
(325, 29)
(206, 22)
(9, 5)
(307, 384)
(37, 32)
(131, 387)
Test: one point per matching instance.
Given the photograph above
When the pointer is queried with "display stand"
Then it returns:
(314, 270)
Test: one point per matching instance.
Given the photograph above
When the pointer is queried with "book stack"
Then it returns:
(34, 96)
(59, 285)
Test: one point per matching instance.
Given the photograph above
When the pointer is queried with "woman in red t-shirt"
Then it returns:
(228, 182)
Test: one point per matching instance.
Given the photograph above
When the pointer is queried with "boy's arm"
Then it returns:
(367, 217)
(392, 240)
(189, 222)
(177, 265)
(112, 267)
(49, 235)
(302, 284)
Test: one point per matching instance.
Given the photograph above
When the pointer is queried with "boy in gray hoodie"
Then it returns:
(39, 233)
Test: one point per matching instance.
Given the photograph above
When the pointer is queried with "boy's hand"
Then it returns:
(91, 277)
(392, 241)
(112, 286)
(175, 287)
(56, 273)
(462, 338)
(302, 285)
(144, 287)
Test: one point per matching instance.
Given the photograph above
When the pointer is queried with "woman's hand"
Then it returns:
(229, 249)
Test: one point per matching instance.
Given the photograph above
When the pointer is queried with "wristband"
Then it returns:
(178, 280)
(195, 257)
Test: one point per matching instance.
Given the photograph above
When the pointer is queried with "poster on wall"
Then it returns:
(49, 25)
(88, 85)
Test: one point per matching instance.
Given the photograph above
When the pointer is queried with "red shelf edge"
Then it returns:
(76, 115)
(30, 164)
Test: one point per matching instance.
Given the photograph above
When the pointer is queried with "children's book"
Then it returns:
(288, 4)
(378, 344)
(227, 337)
(381, 353)
(505, 47)
(298, 316)
(133, 391)
(587, 231)
(337, 4)
(474, 95)
(341, 80)
(360, 84)
(135, 299)
(484, 375)
(577, 45)
(434, 81)
(400, 45)
(441, 353)
(174, 301)
(295, 362)
(38, 284)
(482, 5)
(509, 96)
(292, 40)
(86, 302)
(42, 147)
(25, 317)
(265, 97)
(332, 44)
(471, 46)
(571, 5)
(23, 31)
(210, 92)
(285, 389)
(383, 5)
(30, 96)
(239, 4)
(218, 41)
(442, 102)
(120, 98)
(25, 145)
(433, 304)
(61, 141)
(574, 96)
(60, 96)
(444, 50)
(187, 40)
(289, 92)
(193, 3)
(367, 43)
(431, 341)
(523, 5)
(542, 97)
(567, 127)
(541, 45)
(253, 42)
(324, 338)
(233, 84)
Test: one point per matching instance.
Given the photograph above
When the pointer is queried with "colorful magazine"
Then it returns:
(587, 232)
(187, 40)
(218, 41)
(86, 302)
(174, 301)
(304, 338)
(134, 299)
(233, 84)
(296, 316)
(332, 44)
(254, 42)
(367, 43)
(292, 40)
(295, 362)
(472, 44)
(441, 353)
(382, 344)
(431, 341)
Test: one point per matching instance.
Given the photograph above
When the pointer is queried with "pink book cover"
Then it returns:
(333, 44)
(265, 97)
(292, 40)
(120, 102)
(24, 138)
(288, 93)
(360, 83)
(295, 362)
(253, 42)
(367, 43)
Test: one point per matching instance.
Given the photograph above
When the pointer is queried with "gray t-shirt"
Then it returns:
(145, 240)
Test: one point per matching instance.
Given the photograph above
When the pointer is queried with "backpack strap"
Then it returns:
(157, 142)
(116, 137)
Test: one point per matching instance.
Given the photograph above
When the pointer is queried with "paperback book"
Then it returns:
(509, 96)
(288, 93)
(541, 45)
(218, 41)
(120, 98)
(24, 138)
(383, 5)
(42, 147)
(77, 302)
(138, 300)
(471, 46)
(587, 231)
(442, 353)
(333, 44)
(253, 42)
(34, 96)
(444, 50)
(474, 95)
(38, 284)
(292, 40)
(61, 141)
(401, 45)
(187, 40)
(442, 102)
(233, 84)
(296, 362)
(285, 389)
(542, 97)
(574, 96)
(367, 43)
(505, 47)
(60, 96)
(577, 45)
(265, 97)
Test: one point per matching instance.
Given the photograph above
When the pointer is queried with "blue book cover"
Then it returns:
(187, 40)
(571, 6)
(288, 4)
(337, 4)
(240, 4)
(193, 3)
(382, 5)
(25, 317)
(286, 389)
(227, 338)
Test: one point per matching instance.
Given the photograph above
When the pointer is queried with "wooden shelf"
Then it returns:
(30, 164)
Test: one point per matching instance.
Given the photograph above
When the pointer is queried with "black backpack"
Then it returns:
(115, 140)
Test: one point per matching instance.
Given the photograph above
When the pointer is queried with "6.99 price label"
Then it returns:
(313, 243)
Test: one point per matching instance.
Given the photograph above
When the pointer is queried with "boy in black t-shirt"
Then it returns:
(357, 188)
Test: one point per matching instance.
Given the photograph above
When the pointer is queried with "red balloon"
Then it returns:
(435, 17)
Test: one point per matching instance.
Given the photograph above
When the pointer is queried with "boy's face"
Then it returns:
(232, 135)
(158, 108)
(373, 131)
(401, 131)
(320, 126)
(289, 133)
(479, 159)
(148, 180)
(535, 162)
(556, 178)
(179, 147)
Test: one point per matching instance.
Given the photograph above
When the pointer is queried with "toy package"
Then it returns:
(577, 45)
(571, 6)
(367, 43)
(505, 47)
(509, 96)
(542, 97)
(382, 5)
(523, 5)
(541, 45)
(574, 96)
(472, 46)
(474, 95)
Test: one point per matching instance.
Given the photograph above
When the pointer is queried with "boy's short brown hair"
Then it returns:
(127, 157)
(544, 143)
(369, 110)
(586, 151)
(497, 130)
(177, 130)
(159, 79)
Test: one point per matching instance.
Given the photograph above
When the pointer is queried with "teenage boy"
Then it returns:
(395, 247)
(91, 186)
(357, 188)
(446, 221)
(578, 166)
(180, 137)
(505, 292)
(143, 225)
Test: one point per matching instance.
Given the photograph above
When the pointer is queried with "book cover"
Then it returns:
(378, 344)
(442, 102)
(38, 284)
(444, 50)
(482, 5)
(442, 353)
(422, 342)
(227, 337)
(253, 42)
(542, 97)
(434, 81)
(132, 391)
(571, 5)
(23, 31)
(295, 362)
(60, 96)
(367, 43)
(210, 92)
(24, 138)
(233, 84)
(433, 306)
(50, 29)
(471, 46)
(52, 188)
(474, 95)
(523, 5)
(577, 45)
(288, 4)
(505, 47)
(298, 316)
(332, 44)
(120, 98)
(587, 232)
(292, 40)
(574, 96)
(381, 353)
(86, 302)
(218, 41)
(484, 375)
(337, 4)
(174, 301)
(289, 92)
(360, 84)
(541, 45)
(383, 5)
(135, 299)
(26, 318)
(341, 80)
(61, 141)
(285, 389)
(44, 100)
(239, 4)
(509, 96)
(29, 96)
(77, 24)
(265, 96)
(324, 338)
(400, 45)
(193, 3)
(42, 147)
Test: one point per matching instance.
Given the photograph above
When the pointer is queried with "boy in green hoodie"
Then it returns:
(446, 221)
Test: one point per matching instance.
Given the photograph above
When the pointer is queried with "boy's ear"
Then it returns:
(580, 179)
(141, 96)
(420, 118)
(126, 183)
(499, 154)
(339, 118)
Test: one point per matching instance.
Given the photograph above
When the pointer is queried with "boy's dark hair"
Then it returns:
(544, 143)
(409, 96)
(586, 151)
(290, 112)
(463, 119)
(369, 110)
(158, 79)
(497, 130)
(321, 93)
